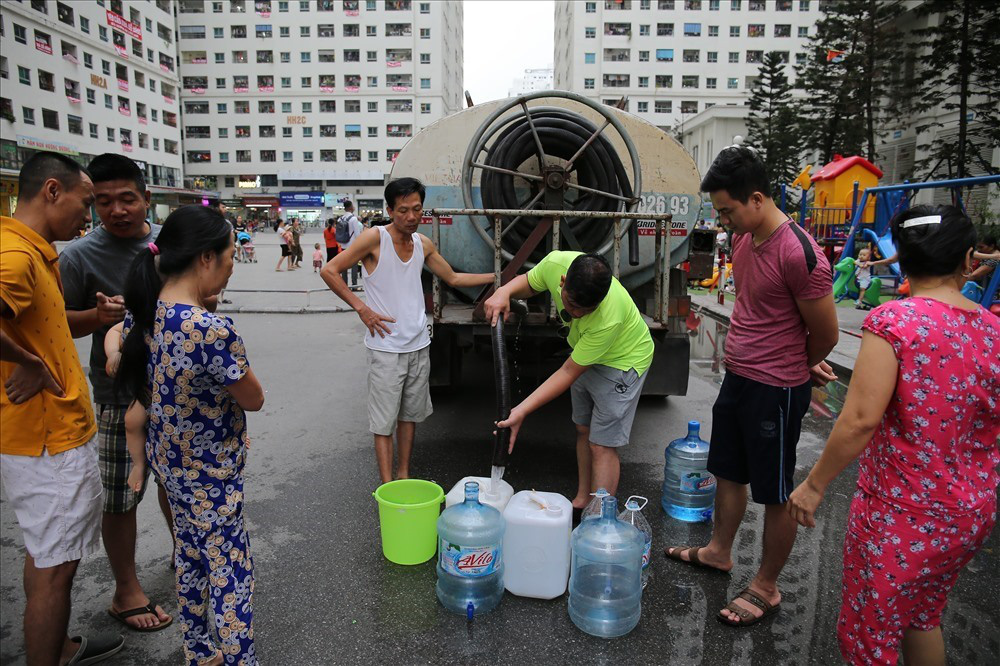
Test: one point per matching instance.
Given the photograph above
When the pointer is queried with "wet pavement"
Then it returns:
(325, 594)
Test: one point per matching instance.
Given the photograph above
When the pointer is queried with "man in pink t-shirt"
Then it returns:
(783, 326)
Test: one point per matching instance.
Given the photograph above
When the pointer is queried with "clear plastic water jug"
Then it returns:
(593, 508)
(470, 556)
(605, 582)
(688, 486)
(633, 516)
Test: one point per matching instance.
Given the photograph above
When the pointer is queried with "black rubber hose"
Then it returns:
(633, 244)
(501, 374)
(561, 133)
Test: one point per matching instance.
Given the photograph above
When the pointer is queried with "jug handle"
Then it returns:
(637, 497)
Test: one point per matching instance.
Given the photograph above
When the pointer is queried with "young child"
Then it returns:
(864, 276)
(135, 417)
(317, 258)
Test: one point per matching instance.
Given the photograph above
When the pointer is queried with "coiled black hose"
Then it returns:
(561, 133)
(501, 374)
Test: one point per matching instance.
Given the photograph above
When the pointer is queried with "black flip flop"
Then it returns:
(674, 553)
(148, 609)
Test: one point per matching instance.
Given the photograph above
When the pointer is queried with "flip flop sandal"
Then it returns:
(95, 649)
(746, 617)
(674, 553)
(148, 609)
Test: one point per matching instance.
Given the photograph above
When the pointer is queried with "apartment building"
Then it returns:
(675, 58)
(533, 80)
(291, 106)
(85, 78)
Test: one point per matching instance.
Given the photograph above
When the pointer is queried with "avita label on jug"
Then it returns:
(697, 482)
(469, 562)
(645, 554)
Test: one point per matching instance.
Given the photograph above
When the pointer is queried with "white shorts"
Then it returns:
(58, 501)
(398, 388)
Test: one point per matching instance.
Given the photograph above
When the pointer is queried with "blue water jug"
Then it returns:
(470, 556)
(688, 486)
(605, 581)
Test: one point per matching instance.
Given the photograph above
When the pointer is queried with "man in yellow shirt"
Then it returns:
(48, 449)
(612, 350)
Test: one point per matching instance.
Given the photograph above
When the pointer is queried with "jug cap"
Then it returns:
(694, 425)
(601, 492)
(554, 510)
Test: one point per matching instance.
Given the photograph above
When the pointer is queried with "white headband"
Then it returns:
(920, 221)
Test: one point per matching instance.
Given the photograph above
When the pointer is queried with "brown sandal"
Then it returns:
(746, 617)
(148, 609)
(674, 553)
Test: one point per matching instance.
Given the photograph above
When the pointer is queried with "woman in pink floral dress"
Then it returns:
(922, 411)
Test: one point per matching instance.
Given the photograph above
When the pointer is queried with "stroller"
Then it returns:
(245, 252)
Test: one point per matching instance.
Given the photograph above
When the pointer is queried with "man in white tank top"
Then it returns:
(398, 339)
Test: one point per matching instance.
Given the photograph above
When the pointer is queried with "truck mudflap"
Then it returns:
(668, 375)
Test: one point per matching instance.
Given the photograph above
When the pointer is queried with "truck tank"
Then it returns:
(568, 172)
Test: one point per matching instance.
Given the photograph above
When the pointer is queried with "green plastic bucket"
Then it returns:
(408, 510)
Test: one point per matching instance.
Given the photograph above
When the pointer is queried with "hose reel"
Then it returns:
(549, 158)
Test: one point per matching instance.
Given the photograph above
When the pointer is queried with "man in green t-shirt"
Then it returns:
(612, 350)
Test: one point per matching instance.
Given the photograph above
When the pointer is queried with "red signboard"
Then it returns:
(241, 89)
(428, 219)
(123, 85)
(125, 111)
(168, 100)
(143, 121)
(265, 88)
(127, 147)
(326, 89)
(43, 46)
(131, 29)
(351, 88)
(393, 63)
(122, 51)
(401, 88)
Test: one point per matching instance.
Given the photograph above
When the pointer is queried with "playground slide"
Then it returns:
(886, 248)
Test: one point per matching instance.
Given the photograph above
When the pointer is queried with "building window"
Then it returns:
(803, 5)
(28, 115)
(286, 132)
(91, 96)
(286, 155)
(734, 56)
(425, 58)
(102, 33)
(328, 131)
(425, 84)
(692, 5)
(712, 56)
(590, 33)
(713, 31)
(643, 107)
(286, 56)
(307, 132)
(643, 81)
(306, 82)
(93, 130)
(286, 82)
(755, 57)
(307, 107)
(221, 108)
(307, 156)
(372, 107)
(643, 56)
(305, 56)
(352, 155)
(373, 156)
(20, 34)
(425, 8)
(692, 55)
(425, 107)
(803, 31)
(692, 29)
(663, 106)
(689, 82)
(284, 31)
(50, 119)
(664, 55)
(286, 107)
(223, 132)
(713, 5)
(267, 156)
(688, 106)
(732, 84)
(24, 75)
(588, 84)
(109, 101)
(243, 156)
(589, 58)
(757, 5)
(371, 31)
(711, 82)
(664, 29)
(304, 31)
(85, 25)
(644, 31)
(664, 80)
(591, 7)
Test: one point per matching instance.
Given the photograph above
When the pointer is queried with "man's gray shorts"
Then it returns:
(605, 399)
(399, 388)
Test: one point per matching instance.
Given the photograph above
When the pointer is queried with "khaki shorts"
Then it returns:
(57, 501)
(399, 388)
(605, 400)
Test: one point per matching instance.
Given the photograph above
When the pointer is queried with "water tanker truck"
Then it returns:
(510, 180)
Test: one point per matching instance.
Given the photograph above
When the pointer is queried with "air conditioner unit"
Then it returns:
(359, 191)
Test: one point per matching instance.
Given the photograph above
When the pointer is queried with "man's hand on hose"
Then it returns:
(496, 306)
(513, 422)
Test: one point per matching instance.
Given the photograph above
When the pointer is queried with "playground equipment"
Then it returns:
(714, 280)
(510, 180)
(845, 285)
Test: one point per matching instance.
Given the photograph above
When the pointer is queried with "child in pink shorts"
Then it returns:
(923, 411)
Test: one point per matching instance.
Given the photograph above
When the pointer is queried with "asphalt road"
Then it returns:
(325, 594)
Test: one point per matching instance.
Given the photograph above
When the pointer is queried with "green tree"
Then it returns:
(846, 101)
(957, 72)
(772, 127)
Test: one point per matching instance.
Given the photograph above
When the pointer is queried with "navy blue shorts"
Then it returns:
(755, 428)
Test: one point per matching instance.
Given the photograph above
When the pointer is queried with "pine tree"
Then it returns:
(959, 71)
(772, 127)
(846, 102)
